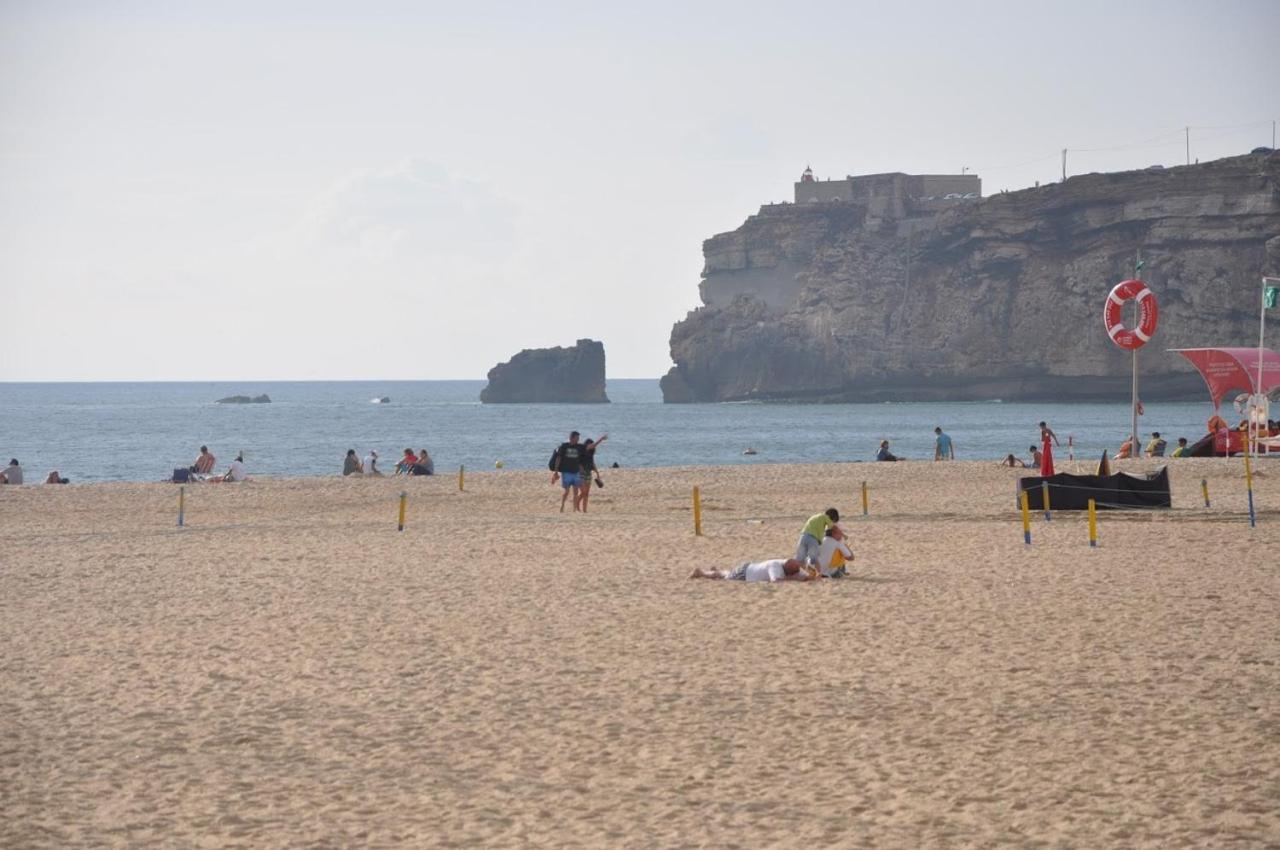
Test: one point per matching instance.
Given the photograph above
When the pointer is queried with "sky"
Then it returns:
(418, 190)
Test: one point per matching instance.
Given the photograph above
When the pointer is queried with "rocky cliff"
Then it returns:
(1000, 297)
(574, 375)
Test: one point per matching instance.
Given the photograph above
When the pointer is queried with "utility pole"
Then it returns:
(1188, 146)
(1064, 165)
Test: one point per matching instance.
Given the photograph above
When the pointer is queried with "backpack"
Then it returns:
(551, 464)
(181, 476)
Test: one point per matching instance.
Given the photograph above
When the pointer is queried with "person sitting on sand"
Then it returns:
(884, 453)
(236, 472)
(351, 464)
(1156, 447)
(833, 554)
(204, 462)
(405, 466)
(424, 466)
(1011, 460)
(811, 535)
(371, 464)
(55, 478)
(1126, 450)
(778, 569)
(1036, 458)
(1183, 450)
(12, 473)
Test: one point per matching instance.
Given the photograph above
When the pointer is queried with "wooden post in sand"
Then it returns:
(1044, 494)
(1204, 488)
(697, 513)
(864, 498)
(403, 498)
(1026, 519)
(1093, 525)
(1248, 483)
(461, 474)
(181, 499)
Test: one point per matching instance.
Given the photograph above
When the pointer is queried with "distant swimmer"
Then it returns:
(749, 451)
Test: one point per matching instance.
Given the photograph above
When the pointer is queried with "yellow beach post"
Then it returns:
(461, 475)
(1248, 483)
(1026, 519)
(1204, 488)
(697, 513)
(1093, 524)
(182, 494)
(864, 498)
(404, 497)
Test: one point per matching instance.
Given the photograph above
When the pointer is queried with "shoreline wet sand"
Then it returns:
(288, 670)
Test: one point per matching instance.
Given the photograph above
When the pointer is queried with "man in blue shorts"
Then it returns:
(568, 468)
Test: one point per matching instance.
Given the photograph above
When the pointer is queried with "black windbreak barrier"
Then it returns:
(1073, 492)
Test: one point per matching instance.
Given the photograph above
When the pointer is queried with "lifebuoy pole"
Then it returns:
(1133, 452)
(1133, 414)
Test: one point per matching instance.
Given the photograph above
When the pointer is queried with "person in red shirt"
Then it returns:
(406, 463)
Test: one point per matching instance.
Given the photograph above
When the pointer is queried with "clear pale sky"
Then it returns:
(318, 190)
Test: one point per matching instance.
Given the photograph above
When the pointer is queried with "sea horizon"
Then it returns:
(142, 430)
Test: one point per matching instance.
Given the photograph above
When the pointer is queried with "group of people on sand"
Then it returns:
(944, 448)
(202, 469)
(573, 464)
(821, 552)
(409, 464)
(12, 474)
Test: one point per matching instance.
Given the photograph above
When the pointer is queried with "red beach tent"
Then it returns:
(1227, 369)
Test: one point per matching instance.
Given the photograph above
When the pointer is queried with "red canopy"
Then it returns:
(1227, 369)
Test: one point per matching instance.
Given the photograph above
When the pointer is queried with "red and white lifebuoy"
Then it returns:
(1148, 314)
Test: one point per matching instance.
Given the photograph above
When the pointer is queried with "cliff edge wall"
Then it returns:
(995, 298)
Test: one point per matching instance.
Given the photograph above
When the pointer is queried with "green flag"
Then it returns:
(1270, 296)
(1138, 266)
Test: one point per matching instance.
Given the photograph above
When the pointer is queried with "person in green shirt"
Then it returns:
(1183, 450)
(811, 535)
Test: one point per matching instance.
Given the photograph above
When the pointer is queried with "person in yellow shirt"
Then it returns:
(811, 535)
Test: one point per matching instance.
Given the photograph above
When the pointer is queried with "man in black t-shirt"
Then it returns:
(567, 468)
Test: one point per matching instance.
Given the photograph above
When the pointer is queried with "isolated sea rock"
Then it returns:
(1000, 297)
(244, 399)
(549, 375)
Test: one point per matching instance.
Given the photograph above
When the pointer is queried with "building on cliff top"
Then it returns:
(890, 195)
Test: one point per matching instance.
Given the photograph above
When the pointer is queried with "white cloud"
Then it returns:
(416, 214)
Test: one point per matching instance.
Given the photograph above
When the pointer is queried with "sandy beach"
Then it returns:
(288, 670)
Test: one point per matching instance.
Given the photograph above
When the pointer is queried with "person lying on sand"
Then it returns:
(777, 569)
(1010, 460)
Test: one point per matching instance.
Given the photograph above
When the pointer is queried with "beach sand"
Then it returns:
(289, 671)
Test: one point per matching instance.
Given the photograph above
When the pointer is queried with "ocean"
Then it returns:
(141, 431)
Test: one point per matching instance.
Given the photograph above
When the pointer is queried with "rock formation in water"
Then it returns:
(999, 297)
(569, 375)
(244, 399)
